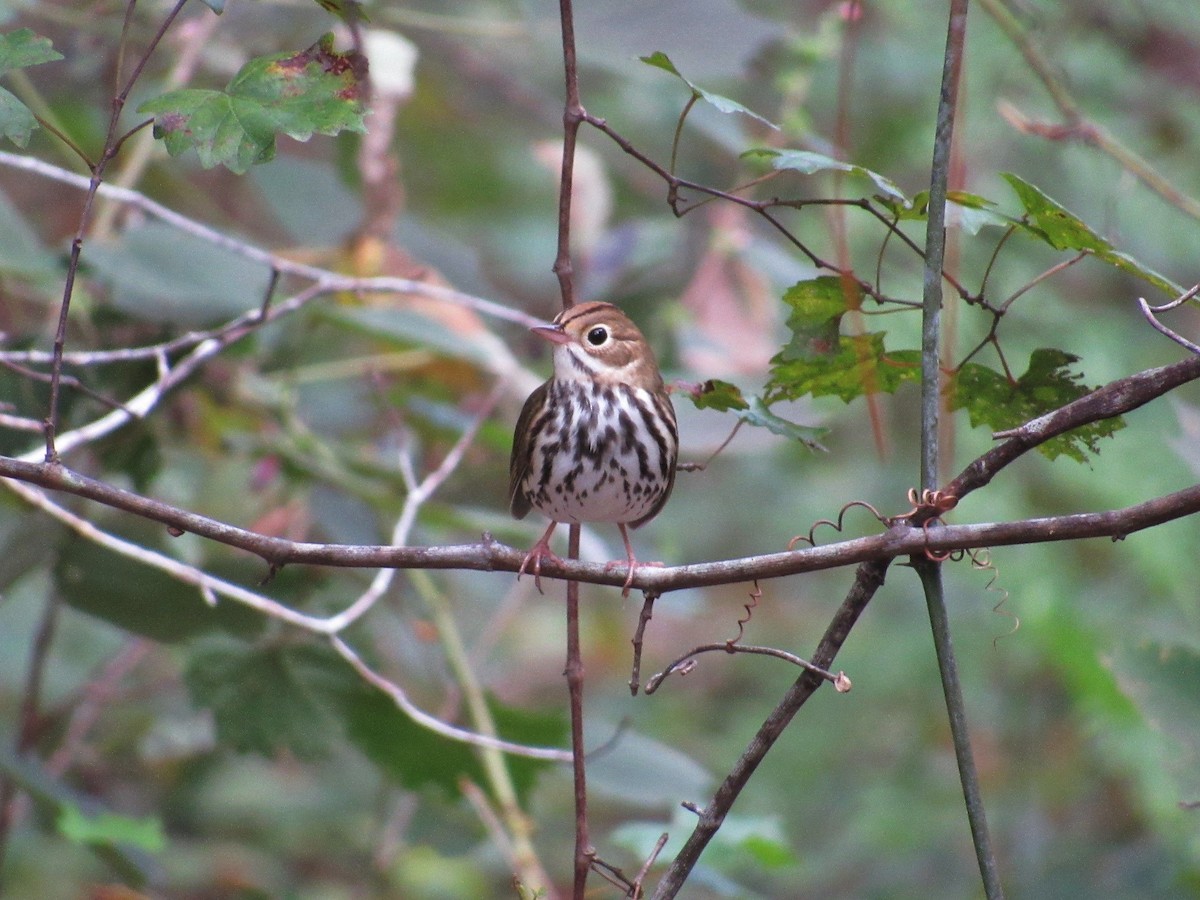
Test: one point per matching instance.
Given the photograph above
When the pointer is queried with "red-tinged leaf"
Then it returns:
(817, 308)
(316, 91)
(714, 394)
(23, 47)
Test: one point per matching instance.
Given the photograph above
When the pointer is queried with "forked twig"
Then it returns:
(1151, 315)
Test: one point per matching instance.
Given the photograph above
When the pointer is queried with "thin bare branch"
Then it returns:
(400, 698)
(840, 682)
(1150, 313)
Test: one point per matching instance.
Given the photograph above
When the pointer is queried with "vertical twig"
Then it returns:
(563, 268)
(574, 673)
(112, 143)
(572, 117)
(929, 571)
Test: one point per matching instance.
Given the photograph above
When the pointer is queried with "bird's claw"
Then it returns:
(539, 551)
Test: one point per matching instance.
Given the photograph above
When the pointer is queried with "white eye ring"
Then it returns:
(597, 336)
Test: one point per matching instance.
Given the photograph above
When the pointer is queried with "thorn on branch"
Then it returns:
(273, 569)
(265, 309)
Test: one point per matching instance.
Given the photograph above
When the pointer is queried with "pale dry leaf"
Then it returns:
(732, 306)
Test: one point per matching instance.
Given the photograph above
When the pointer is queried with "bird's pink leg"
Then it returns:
(632, 559)
(541, 550)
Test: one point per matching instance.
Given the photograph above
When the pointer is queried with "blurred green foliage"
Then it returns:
(259, 758)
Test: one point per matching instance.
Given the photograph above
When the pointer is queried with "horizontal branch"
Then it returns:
(490, 555)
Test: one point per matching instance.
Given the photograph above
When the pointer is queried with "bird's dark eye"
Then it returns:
(597, 336)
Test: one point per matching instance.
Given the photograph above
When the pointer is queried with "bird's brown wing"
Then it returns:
(518, 464)
(666, 413)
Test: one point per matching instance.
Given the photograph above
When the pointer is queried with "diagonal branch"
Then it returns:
(867, 582)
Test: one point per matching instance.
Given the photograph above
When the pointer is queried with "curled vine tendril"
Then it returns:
(755, 596)
(837, 526)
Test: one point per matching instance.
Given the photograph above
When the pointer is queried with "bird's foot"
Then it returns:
(539, 551)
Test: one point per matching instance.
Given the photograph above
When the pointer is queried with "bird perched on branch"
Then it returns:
(598, 441)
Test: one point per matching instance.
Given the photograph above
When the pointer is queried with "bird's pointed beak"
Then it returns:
(553, 333)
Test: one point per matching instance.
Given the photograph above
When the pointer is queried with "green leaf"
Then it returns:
(1053, 223)
(408, 328)
(759, 837)
(217, 6)
(808, 163)
(660, 60)
(817, 309)
(305, 697)
(762, 838)
(53, 798)
(721, 103)
(110, 828)
(406, 752)
(22, 48)
(534, 728)
(964, 210)
(990, 399)
(1127, 263)
(1060, 228)
(141, 599)
(972, 213)
(16, 121)
(19, 49)
(271, 696)
(719, 395)
(857, 365)
(158, 274)
(317, 91)
(760, 416)
(22, 252)
(416, 757)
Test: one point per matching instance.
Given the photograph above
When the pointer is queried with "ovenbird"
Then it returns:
(598, 441)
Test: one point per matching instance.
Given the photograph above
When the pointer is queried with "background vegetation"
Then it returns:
(220, 752)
